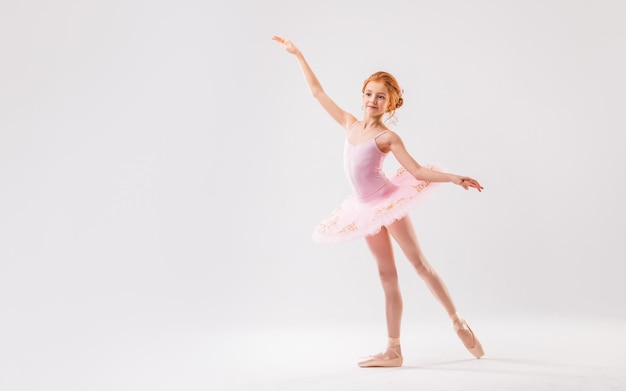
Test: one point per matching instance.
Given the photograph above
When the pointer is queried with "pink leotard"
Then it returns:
(363, 165)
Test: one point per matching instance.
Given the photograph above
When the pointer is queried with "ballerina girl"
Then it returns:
(378, 210)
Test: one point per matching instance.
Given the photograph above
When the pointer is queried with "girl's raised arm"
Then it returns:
(342, 117)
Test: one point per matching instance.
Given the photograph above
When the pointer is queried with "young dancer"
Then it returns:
(378, 210)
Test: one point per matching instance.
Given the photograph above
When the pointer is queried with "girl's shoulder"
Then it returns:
(386, 138)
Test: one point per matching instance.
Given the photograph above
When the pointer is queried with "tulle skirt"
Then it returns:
(354, 219)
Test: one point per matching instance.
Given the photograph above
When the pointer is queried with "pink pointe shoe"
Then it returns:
(460, 325)
(392, 357)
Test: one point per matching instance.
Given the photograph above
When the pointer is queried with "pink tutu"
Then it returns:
(354, 219)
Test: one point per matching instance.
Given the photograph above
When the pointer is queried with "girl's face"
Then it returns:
(375, 98)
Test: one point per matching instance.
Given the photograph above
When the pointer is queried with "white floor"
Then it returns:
(530, 355)
(547, 355)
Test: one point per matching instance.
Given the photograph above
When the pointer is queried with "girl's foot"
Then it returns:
(391, 357)
(465, 333)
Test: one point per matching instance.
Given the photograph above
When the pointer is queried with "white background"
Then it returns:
(162, 166)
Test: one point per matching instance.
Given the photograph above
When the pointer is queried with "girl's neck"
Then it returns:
(373, 122)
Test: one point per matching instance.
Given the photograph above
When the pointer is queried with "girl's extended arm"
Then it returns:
(390, 141)
(342, 117)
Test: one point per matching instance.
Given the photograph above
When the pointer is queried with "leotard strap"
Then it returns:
(380, 134)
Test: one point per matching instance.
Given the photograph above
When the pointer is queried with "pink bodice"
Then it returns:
(363, 164)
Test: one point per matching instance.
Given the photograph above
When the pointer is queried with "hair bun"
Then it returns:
(399, 103)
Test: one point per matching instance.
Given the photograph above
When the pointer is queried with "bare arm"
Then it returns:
(390, 141)
(342, 117)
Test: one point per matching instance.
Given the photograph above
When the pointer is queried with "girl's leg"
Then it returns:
(382, 250)
(403, 232)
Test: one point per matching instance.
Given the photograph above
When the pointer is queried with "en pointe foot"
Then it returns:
(467, 336)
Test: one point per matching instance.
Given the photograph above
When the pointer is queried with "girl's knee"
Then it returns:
(423, 271)
(388, 276)
(421, 266)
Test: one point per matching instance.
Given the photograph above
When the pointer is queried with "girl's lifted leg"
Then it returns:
(403, 232)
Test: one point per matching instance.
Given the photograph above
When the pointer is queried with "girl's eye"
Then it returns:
(381, 97)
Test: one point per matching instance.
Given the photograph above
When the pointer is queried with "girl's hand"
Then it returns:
(467, 182)
(286, 44)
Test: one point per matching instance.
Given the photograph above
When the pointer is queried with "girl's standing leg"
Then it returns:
(382, 250)
(403, 232)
